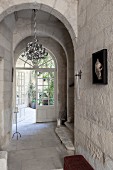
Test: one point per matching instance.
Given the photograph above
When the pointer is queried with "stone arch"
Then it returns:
(70, 69)
(66, 13)
(65, 42)
(57, 50)
(27, 33)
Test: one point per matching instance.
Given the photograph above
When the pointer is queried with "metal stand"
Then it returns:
(18, 134)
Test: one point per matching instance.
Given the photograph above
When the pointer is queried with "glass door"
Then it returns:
(45, 96)
(20, 94)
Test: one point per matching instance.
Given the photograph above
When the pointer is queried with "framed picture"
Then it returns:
(99, 67)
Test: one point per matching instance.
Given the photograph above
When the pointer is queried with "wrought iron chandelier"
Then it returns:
(34, 50)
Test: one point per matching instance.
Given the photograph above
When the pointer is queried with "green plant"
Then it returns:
(32, 92)
(50, 90)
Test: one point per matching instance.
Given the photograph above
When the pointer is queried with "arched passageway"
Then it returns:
(33, 76)
(57, 33)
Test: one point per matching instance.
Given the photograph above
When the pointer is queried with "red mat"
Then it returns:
(76, 162)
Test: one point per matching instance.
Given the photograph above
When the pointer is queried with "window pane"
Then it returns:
(45, 87)
(45, 81)
(40, 89)
(40, 95)
(39, 102)
(51, 101)
(40, 81)
(45, 101)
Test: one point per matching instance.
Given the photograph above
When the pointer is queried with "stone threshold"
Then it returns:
(66, 137)
(3, 160)
(70, 126)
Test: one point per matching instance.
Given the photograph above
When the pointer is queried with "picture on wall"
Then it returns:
(99, 67)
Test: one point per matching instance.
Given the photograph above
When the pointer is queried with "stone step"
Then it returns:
(70, 126)
(3, 160)
(66, 137)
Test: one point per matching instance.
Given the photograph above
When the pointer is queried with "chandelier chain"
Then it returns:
(34, 50)
(35, 36)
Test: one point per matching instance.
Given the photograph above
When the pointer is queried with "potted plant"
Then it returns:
(33, 104)
(32, 95)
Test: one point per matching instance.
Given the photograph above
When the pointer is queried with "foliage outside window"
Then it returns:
(46, 90)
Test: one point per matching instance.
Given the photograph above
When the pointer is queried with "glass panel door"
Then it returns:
(45, 92)
(45, 96)
(20, 94)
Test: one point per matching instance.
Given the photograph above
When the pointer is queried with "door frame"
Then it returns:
(55, 90)
(55, 82)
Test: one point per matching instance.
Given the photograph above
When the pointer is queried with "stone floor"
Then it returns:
(38, 149)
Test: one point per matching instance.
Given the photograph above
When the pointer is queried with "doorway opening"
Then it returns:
(24, 89)
(35, 90)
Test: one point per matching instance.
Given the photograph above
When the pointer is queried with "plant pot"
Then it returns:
(33, 105)
(29, 105)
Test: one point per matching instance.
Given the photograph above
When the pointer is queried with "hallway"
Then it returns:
(37, 149)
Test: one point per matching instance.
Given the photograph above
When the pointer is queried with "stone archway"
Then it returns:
(67, 15)
(63, 38)
(61, 68)
(66, 12)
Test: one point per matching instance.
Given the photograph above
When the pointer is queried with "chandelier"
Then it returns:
(34, 50)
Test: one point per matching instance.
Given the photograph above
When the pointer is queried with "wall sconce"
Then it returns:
(79, 74)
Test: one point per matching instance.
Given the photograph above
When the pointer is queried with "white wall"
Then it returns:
(6, 37)
(94, 110)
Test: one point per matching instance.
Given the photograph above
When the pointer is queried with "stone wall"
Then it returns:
(94, 110)
(70, 82)
(6, 37)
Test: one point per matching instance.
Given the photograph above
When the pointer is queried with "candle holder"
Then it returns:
(16, 133)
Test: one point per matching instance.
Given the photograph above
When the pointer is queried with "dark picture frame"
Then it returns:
(99, 67)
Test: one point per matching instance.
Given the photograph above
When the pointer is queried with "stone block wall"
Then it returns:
(6, 37)
(70, 81)
(94, 110)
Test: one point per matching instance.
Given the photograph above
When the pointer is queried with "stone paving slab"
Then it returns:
(39, 148)
(3, 160)
(66, 137)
